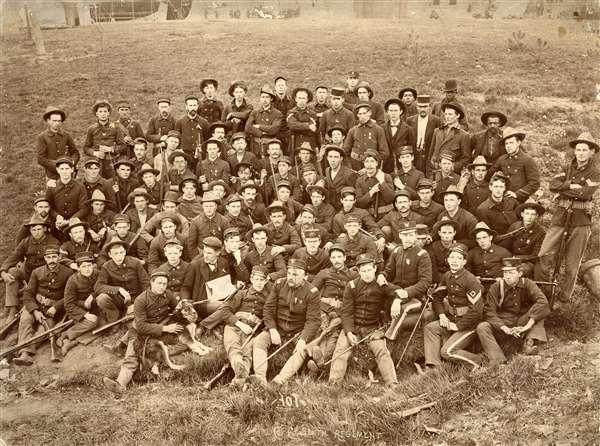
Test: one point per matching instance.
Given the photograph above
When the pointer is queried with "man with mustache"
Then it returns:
(41, 210)
(488, 142)
(54, 143)
(159, 126)
(193, 128)
(423, 124)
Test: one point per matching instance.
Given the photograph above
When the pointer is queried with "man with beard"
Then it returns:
(54, 143)
(392, 221)
(476, 190)
(336, 116)
(264, 122)
(210, 108)
(159, 126)
(41, 210)
(337, 176)
(423, 124)
(79, 241)
(397, 133)
(350, 98)
(302, 120)
(131, 129)
(92, 181)
(43, 301)
(498, 210)
(104, 139)
(291, 309)
(408, 95)
(425, 206)
(364, 93)
(236, 113)
(365, 135)
(168, 233)
(488, 142)
(450, 91)
(193, 128)
(250, 207)
(27, 256)
(451, 138)
(284, 103)
(209, 223)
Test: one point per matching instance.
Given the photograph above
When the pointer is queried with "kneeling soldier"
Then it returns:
(465, 307)
(291, 309)
(362, 307)
(515, 306)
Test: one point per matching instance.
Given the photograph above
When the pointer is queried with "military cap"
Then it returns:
(40, 198)
(459, 248)
(366, 86)
(84, 256)
(173, 241)
(321, 86)
(284, 183)
(351, 218)
(309, 208)
(158, 273)
(233, 198)
(216, 125)
(353, 74)
(509, 132)
(236, 84)
(212, 242)
(447, 155)
(337, 91)
(452, 189)
(218, 142)
(306, 146)
(332, 148)
(274, 141)
(139, 192)
(248, 185)
(258, 228)
(163, 99)
(364, 259)
(425, 183)
(243, 166)
(171, 196)
(406, 226)
(316, 188)
(147, 168)
(64, 160)
(177, 153)
(116, 241)
(97, 195)
(585, 138)
(362, 105)
(450, 85)
(337, 247)
(482, 226)
(405, 150)
(510, 263)
(121, 218)
(444, 221)
(73, 223)
(308, 168)
(422, 230)
(530, 204)
(423, 99)
(209, 197)
(123, 104)
(268, 90)
(192, 97)
(231, 232)
(285, 159)
(371, 154)
(457, 108)
(91, 160)
(396, 101)
(402, 193)
(124, 161)
(51, 249)
(259, 270)
(296, 264)
(174, 134)
(36, 220)
(205, 82)
(497, 114)
(101, 103)
(170, 216)
(53, 110)
(275, 207)
(347, 190)
(238, 135)
(218, 182)
(312, 233)
(336, 127)
(407, 89)
(479, 161)
(308, 92)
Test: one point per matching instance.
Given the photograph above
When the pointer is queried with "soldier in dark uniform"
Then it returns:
(67, 199)
(250, 207)
(498, 210)
(391, 222)
(169, 224)
(488, 143)
(99, 218)
(324, 211)
(425, 205)
(159, 126)
(43, 301)
(476, 191)
(132, 130)
(466, 221)
(236, 113)
(284, 103)
(264, 122)
(514, 307)
(337, 176)
(80, 241)
(355, 242)
(210, 108)
(450, 90)
(445, 177)
(209, 223)
(350, 97)
(193, 128)
(314, 257)
(213, 167)
(409, 98)
(406, 176)
(302, 120)
(444, 231)
(365, 94)
(397, 133)
(485, 260)
(365, 135)
(260, 254)
(284, 238)
(336, 116)
(374, 187)
(121, 230)
(148, 180)
(362, 307)
(234, 216)
(451, 138)
(320, 105)
(175, 267)
(54, 143)
(92, 180)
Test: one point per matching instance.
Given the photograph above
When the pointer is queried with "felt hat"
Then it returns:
(586, 138)
(236, 84)
(308, 93)
(407, 89)
(457, 108)
(482, 226)
(509, 132)
(450, 85)
(52, 110)
(497, 114)
(397, 101)
(73, 223)
(101, 103)
(205, 82)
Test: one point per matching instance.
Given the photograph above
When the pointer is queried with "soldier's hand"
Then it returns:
(88, 302)
(374, 190)
(300, 346)
(91, 317)
(398, 183)
(381, 280)
(380, 243)
(105, 149)
(126, 296)
(452, 326)
(172, 328)
(380, 176)
(275, 338)
(277, 250)
(51, 183)
(7, 277)
(94, 235)
(115, 187)
(50, 312)
(444, 321)
(247, 329)
(128, 139)
(352, 338)
(396, 309)
(510, 194)
(506, 330)
(39, 316)
(574, 186)
(240, 284)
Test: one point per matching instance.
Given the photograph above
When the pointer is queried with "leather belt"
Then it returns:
(246, 317)
(458, 311)
(574, 204)
(44, 300)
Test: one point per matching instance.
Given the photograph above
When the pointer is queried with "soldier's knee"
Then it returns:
(104, 301)
(26, 318)
(484, 328)
(431, 327)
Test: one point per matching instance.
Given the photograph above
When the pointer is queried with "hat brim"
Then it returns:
(40, 223)
(213, 141)
(454, 192)
(81, 223)
(205, 82)
(456, 108)
(269, 210)
(132, 196)
(102, 104)
(143, 171)
(404, 90)
(519, 135)
(359, 263)
(317, 188)
(122, 243)
(538, 208)
(594, 146)
(104, 200)
(389, 102)
(339, 150)
(341, 129)
(233, 86)
(273, 96)
(126, 163)
(488, 230)
(502, 116)
(54, 112)
(438, 224)
(264, 229)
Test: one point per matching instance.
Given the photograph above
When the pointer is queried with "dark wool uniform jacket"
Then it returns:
(149, 310)
(507, 305)
(462, 289)
(77, 290)
(364, 303)
(52, 146)
(522, 171)
(247, 300)
(176, 275)
(30, 251)
(410, 269)
(275, 265)
(50, 284)
(293, 310)
(130, 275)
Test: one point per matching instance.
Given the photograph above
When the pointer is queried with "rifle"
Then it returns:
(292, 150)
(284, 345)
(210, 384)
(126, 318)
(10, 324)
(360, 341)
(37, 338)
(429, 295)
(164, 175)
(509, 234)
(53, 356)
(264, 158)
(394, 328)
(388, 245)
(376, 210)
(537, 282)
(560, 255)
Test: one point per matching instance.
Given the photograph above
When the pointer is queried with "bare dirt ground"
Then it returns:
(550, 399)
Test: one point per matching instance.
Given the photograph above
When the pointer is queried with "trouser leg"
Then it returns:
(432, 340)
(28, 328)
(576, 244)
(340, 364)
(384, 361)
(129, 365)
(537, 332)
(260, 351)
(548, 251)
(291, 366)
(80, 327)
(11, 298)
(486, 335)
(214, 317)
(109, 306)
(454, 348)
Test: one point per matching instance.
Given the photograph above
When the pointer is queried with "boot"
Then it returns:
(113, 386)
(23, 359)
(529, 348)
(239, 368)
(67, 345)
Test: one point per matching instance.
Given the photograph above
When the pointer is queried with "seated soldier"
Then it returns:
(99, 218)
(139, 211)
(243, 314)
(526, 235)
(408, 268)
(168, 232)
(324, 211)
(284, 195)
(425, 205)
(140, 146)
(305, 158)
(466, 221)
(260, 253)
(209, 223)
(120, 280)
(355, 242)
(26, 257)
(123, 183)
(284, 238)
(314, 257)
(515, 307)
(476, 190)
(498, 211)
(234, 218)
(306, 221)
(41, 210)
(485, 260)
(213, 167)
(254, 209)
(136, 246)
(390, 223)
(445, 177)
(290, 312)
(245, 174)
(448, 337)
(169, 206)
(79, 301)
(374, 187)
(148, 179)
(92, 181)
(407, 176)
(43, 301)
(219, 189)
(175, 267)
(363, 304)
(423, 237)
(79, 241)
(309, 177)
(170, 144)
(331, 282)
(242, 156)
(190, 204)
(444, 233)
(283, 175)
(234, 252)
(181, 168)
(151, 313)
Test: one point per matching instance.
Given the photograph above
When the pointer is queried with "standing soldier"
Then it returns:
(451, 138)
(104, 139)
(423, 124)
(515, 307)
(425, 205)
(236, 113)
(362, 307)
(132, 130)
(291, 309)
(450, 90)
(42, 301)
(350, 97)
(488, 142)
(320, 105)
(193, 128)
(476, 190)
(92, 181)
(303, 121)
(374, 189)
(264, 122)
(337, 176)
(67, 199)
(365, 135)
(54, 143)
(159, 126)
(449, 336)
(571, 223)
(498, 210)
(212, 168)
(284, 103)
(397, 133)
(210, 108)
(336, 116)
(364, 92)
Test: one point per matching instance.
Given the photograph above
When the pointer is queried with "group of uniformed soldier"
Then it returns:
(328, 214)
